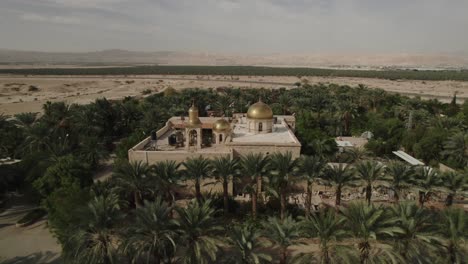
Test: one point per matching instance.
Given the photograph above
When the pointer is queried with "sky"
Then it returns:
(236, 26)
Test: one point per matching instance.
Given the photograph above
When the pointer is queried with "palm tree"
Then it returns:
(254, 166)
(368, 224)
(199, 233)
(247, 245)
(327, 226)
(312, 168)
(283, 233)
(369, 172)
(223, 105)
(26, 120)
(224, 169)
(93, 241)
(197, 168)
(92, 151)
(399, 177)
(151, 237)
(282, 170)
(323, 147)
(133, 177)
(426, 180)
(347, 112)
(340, 176)
(167, 176)
(417, 239)
(456, 147)
(354, 155)
(319, 101)
(453, 227)
(454, 182)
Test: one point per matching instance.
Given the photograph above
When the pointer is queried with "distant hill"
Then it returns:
(124, 57)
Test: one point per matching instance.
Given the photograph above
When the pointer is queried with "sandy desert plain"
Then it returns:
(17, 94)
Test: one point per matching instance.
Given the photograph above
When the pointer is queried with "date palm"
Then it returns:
(454, 182)
(225, 169)
(417, 239)
(312, 168)
(151, 237)
(354, 155)
(26, 120)
(426, 181)
(247, 246)
(327, 226)
(167, 176)
(199, 233)
(283, 233)
(133, 177)
(399, 176)
(370, 172)
(369, 224)
(198, 168)
(454, 229)
(456, 147)
(93, 241)
(254, 166)
(283, 168)
(339, 176)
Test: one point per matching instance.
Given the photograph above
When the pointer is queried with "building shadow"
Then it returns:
(35, 258)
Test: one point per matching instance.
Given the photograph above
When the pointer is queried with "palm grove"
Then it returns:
(138, 216)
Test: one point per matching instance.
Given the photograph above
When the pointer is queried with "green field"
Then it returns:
(432, 75)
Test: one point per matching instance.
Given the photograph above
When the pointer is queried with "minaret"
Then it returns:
(193, 129)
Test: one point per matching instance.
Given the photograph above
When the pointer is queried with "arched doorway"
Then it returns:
(220, 138)
(260, 127)
(193, 138)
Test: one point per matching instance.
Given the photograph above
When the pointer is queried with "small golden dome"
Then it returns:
(221, 125)
(260, 110)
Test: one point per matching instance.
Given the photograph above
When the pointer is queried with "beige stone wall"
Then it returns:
(151, 157)
(246, 149)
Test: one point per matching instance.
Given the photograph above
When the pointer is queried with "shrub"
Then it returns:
(33, 88)
(146, 91)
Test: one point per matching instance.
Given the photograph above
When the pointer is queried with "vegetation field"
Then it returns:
(412, 74)
(144, 213)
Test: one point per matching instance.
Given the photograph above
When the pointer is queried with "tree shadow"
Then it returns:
(5, 225)
(46, 257)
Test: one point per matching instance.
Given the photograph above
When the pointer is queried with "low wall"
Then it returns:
(164, 129)
(244, 149)
(141, 145)
(152, 157)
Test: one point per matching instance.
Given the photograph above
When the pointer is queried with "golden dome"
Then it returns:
(260, 110)
(221, 125)
(193, 116)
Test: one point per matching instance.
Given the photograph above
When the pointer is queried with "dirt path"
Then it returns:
(26, 245)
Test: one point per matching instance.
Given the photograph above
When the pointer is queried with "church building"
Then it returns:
(184, 137)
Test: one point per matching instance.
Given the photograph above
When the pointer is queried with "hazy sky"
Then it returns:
(289, 26)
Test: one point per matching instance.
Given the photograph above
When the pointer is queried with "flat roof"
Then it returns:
(279, 134)
(408, 158)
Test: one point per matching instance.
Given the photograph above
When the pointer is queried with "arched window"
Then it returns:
(260, 127)
(220, 138)
(193, 138)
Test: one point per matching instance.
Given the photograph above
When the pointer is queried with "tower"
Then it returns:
(193, 129)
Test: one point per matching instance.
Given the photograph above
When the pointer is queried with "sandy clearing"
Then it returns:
(16, 97)
(31, 244)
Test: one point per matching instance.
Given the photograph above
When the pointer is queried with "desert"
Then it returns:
(17, 94)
